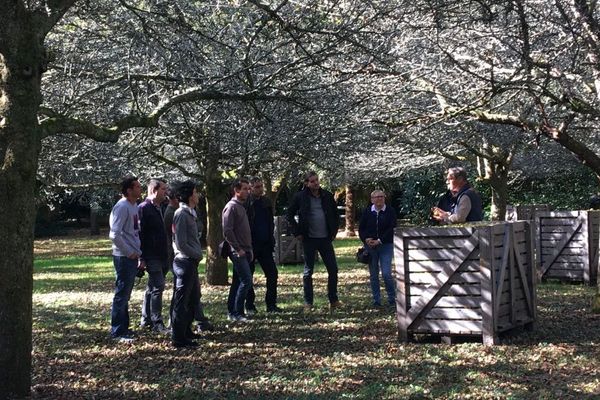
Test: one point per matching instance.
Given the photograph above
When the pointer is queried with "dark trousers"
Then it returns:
(185, 293)
(325, 248)
(152, 302)
(240, 284)
(264, 256)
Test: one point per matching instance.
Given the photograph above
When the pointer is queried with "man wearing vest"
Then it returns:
(466, 202)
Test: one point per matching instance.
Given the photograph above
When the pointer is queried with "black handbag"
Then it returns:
(363, 256)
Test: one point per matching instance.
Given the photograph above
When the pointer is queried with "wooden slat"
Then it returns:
(402, 290)
(431, 278)
(437, 266)
(434, 254)
(454, 313)
(434, 232)
(447, 326)
(453, 290)
(459, 301)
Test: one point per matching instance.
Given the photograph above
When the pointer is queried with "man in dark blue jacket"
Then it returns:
(376, 230)
(154, 257)
(317, 227)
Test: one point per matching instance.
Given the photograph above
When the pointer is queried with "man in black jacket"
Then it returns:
(260, 216)
(317, 227)
(154, 257)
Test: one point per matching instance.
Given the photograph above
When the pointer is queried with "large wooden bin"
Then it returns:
(567, 245)
(476, 280)
(288, 249)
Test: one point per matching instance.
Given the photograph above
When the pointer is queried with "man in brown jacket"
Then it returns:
(236, 230)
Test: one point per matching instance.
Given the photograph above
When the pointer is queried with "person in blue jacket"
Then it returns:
(376, 230)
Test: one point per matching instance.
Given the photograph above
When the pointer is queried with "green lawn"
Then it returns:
(353, 353)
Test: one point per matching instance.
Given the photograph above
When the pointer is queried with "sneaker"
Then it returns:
(162, 329)
(237, 318)
(336, 304)
(187, 343)
(125, 338)
(274, 309)
(308, 308)
(251, 312)
(204, 326)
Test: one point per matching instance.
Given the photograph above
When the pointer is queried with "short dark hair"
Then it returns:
(127, 183)
(154, 183)
(184, 190)
(309, 175)
(255, 179)
(171, 193)
(458, 172)
(237, 184)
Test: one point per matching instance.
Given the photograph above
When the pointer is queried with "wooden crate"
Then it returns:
(525, 212)
(567, 245)
(476, 280)
(288, 249)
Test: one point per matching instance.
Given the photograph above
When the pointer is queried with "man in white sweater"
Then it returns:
(126, 250)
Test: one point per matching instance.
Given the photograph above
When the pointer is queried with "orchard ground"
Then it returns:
(352, 353)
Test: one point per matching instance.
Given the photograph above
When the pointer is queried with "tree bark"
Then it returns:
(216, 198)
(350, 223)
(22, 60)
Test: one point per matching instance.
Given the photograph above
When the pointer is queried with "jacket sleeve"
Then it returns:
(335, 217)
(388, 233)
(291, 213)
(185, 226)
(142, 230)
(228, 221)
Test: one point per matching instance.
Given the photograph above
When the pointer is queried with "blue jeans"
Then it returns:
(152, 302)
(381, 257)
(185, 294)
(240, 284)
(125, 270)
(325, 248)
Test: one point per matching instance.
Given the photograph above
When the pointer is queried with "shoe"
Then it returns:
(145, 326)
(274, 309)
(125, 338)
(162, 329)
(336, 304)
(204, 326)
(186, 343)
(191, 335)
(251, 312)
(237, 318)
(131, 333)
(308, 308)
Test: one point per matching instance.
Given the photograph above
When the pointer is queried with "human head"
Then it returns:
(257, 187)
(157, 189)
(186, 193)
(311, 180)
(456, 178)
(172, 196)
(378, 198)
(131, 188)
(241, 189)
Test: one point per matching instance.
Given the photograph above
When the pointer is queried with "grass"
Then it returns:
(351, 354)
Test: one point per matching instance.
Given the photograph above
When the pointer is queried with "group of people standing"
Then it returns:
(162, 233)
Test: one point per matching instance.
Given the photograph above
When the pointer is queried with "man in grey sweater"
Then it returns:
(126, 250)
(188, 253)
(236, 230)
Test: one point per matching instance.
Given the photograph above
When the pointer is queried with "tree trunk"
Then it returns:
(21, 61)
(94, 225)
(499, 184)
(216, 198)
(350, 223)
